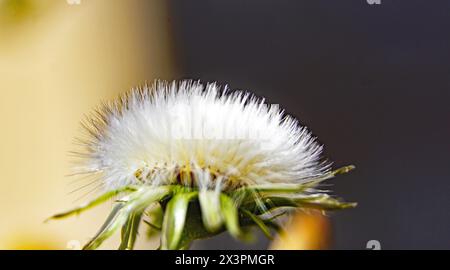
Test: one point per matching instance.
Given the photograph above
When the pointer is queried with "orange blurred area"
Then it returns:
(57, 62)
(305, 231)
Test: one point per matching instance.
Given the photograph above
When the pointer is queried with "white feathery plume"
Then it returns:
(197, 135)
(199, 160)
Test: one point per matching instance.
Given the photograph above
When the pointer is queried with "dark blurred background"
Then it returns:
(371, 81)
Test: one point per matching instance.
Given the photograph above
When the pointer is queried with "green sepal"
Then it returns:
(100, 199)
(130, 231)
(294, 188)
(154, 220)
(230, 214)
(137, 202)
(259, 222)
(210, 205)
(114, 221)
(315, 201)
(174, 219)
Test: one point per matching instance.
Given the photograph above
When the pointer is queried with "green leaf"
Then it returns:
(174, 220)
(210, 205)
(102, 198)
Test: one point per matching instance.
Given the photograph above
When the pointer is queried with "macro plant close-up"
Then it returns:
(226, 132)
(190, 161)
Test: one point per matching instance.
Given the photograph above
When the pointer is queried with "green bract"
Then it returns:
(188, 213)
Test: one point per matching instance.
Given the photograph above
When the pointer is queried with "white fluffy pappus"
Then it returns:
(195, 135)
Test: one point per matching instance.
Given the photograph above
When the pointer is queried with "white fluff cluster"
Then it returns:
(197, 135)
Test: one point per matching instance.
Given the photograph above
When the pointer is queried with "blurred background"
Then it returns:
(371, 81)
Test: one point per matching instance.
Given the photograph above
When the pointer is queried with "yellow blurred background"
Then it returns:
(58, 60)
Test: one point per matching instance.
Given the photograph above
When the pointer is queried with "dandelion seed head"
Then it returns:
(197, 135)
